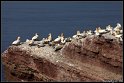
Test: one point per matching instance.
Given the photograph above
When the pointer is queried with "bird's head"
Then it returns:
(49, 34)
(18, 38)
(99, 28)
(118, 24)
(36, 34)
(62, 34)
(78, 32)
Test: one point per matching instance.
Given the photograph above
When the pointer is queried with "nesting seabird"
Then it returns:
(27, 40)
(57, 39)
(60, 39)
(43, 41)
(52, 44)
(35, 37)
(62, 35)
(63, 40)
(49, 37)
(119, 35)
(120, 39)
(40, 45)
(77, 35)
(68, 39)
(109, 28)
(89, 32)
(97, 31)
(102, 30)
(16, 42)
(58, 47)
(84, 34)
(118, 27)
(31, 42)
(121, 31)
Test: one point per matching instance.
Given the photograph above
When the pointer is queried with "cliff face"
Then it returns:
(88, 59)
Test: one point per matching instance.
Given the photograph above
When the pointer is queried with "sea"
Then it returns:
(25, 18)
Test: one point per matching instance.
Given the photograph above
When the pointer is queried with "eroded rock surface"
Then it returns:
(89, 59)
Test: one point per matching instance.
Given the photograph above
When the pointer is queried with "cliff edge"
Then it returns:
(91, 59)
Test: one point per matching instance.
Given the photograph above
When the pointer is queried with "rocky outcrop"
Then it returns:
(89, 59)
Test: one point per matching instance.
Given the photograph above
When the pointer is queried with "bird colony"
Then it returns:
(60, 41)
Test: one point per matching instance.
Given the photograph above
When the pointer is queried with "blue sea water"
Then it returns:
(25, 18)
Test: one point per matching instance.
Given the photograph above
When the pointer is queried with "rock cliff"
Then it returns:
(91, 59)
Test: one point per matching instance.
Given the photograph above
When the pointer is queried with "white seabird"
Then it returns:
(112, 32)
(120, 35)
(77, 35)
(40, 45)
(35, 37)
(97, 31)
(84, 34)
(89, 32)
(68, 39)
(117, 35)
(27, 40)
(57, 39)
(16, 42)
(63, 40)
(49, 37)
(120, 39)
(121, 31)
(109, 28)
(58, 47)
(31, 42)
(102, 30)
(118, 27)
(62, 35)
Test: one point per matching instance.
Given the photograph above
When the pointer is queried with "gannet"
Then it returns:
(63, 40)
(49, 37)
(77, 35)
(120, 35)
(27, 40)
(31, 42)
(117, 35)
(102, 30)
(57, 39)
(40, 45)
(118, 27)
(89, 32)
(68, 39)
(97, 31)
(43, 41)
(121, 31)
(120, 39)
(35, 37)
(16, 42)
(62, 35)
(74, 36)
(112, 32)
(109, 28)
(58, 47)
(84, 34)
